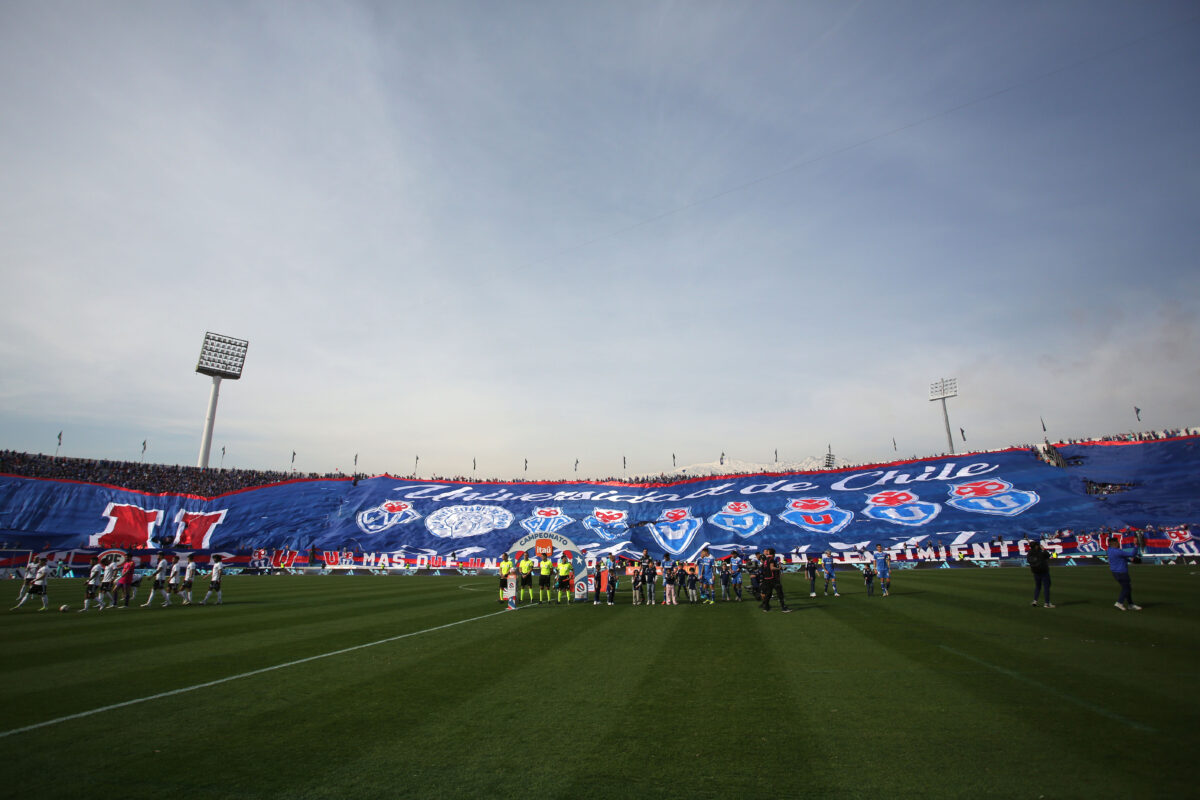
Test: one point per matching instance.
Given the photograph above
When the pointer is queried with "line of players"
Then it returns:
(698, 580)
(112, 580)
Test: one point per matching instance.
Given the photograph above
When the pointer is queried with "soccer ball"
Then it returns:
(64, 607)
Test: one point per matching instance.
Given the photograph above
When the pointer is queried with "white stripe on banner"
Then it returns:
(251, 673)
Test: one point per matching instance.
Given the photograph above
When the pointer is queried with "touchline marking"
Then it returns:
(1095, 709)
(251, 673)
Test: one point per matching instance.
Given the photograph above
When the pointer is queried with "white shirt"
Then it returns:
(160, 571)
(175, 572)
(39, 578)
(110, 572)
(189, 571)
(94, 575)
(217, 568)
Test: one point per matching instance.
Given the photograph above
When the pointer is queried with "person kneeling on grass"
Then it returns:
(1039, 563)
(1118, 561)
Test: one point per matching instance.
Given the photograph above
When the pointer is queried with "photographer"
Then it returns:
(1039, 564)
(1118, 561)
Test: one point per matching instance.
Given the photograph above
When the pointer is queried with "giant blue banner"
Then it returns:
(951, 500)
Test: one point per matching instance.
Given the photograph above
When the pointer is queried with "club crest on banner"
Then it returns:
(387, 514)
(741, 518)
(675, 529)
(991, 496)
(901, 508)
(607, 523)
(461, 522)
(546, 520)
(816, 514)
(1086, 543)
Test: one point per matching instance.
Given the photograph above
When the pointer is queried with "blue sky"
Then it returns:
(557, 231)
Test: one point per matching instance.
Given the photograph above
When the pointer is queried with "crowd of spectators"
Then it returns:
(175, 479)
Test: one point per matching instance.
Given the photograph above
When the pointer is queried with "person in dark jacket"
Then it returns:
(1038, 560)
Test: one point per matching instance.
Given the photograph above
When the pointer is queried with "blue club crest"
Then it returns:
(901, 508)
(546, 520)
(816, 514)
(741, 518)
(386, 515)
(991, 496)
(607, 523)
(675, 529)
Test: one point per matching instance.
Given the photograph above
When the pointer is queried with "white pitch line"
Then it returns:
(1104, 712)
(251, 673)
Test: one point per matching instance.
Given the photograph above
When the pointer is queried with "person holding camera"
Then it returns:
(1119, 559)
(1038, 560)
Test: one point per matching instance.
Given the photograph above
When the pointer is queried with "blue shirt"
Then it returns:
(706, 566)
(735, 564)
(1119, 558)
(827, 563)
(881, 562)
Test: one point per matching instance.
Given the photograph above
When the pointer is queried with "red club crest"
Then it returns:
(893, 498)
(985, 488)
(609, 517)
(811, 504)
(396, 506)
(675, 514)
(547, 512)
(737, 507)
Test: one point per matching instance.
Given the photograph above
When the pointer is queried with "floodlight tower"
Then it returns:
(940, 390)
(220, 357)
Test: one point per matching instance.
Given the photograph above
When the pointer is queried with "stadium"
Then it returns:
(599, 400)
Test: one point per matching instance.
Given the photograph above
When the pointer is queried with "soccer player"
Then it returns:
(173, 578)
(111, 568)
(545, 568)
(735, 573)
(160, 579)
(505, 567)
(610, 564)
(1038, 560)
(771, 582)
(92, 586)
(124, 582)
(827, 564)
(1118, 563)
(189, 574)
(810, 569)
(214, 579)
(883, 566)
(525, 568)
(566, 578)
(707, 566)
(649, 576)
(37, 585)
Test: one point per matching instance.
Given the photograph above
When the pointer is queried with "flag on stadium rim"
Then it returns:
(1136, 411)
(577, 465)
(963, 434)
(293, 456)
(894, 447)
(144, 446)
(1043, 424)
(60, 438)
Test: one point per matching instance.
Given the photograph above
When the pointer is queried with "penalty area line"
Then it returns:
(239, 676)
(1095, 709)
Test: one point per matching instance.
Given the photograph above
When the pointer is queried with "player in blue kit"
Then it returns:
(827, 564)
(883, 566)
(707, 565)
(735, 573)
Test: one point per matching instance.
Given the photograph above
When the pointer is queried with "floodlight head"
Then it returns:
(943, 388)
(222, 356)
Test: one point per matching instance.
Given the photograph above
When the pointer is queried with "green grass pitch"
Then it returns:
(952, 687)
